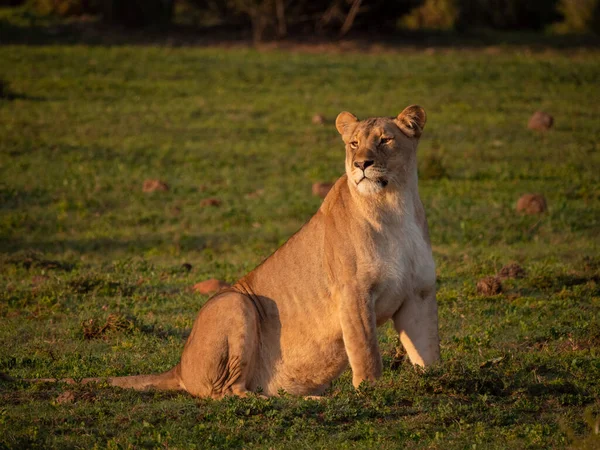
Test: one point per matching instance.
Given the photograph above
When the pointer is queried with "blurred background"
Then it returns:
(267, 20)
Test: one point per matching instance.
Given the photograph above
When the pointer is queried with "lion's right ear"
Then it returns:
(345, 123)
(411, 121)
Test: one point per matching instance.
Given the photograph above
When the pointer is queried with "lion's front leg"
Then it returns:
(357, 317)
(417, 325)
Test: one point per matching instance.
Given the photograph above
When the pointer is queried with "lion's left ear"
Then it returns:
(412, 121)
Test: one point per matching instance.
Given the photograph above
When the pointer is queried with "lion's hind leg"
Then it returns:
(218, 359)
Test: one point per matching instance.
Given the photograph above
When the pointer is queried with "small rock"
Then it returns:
(186, 266)
(210, 286)
(512, 270)
(321, 189)
(540, 121)
(319, 119)
(532, 204)
(155, 185)
(489, 286)
(210, 202)
(65, 397)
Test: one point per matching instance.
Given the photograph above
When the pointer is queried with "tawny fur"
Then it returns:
(310, 309)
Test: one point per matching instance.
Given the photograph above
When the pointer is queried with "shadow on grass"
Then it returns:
(7, 94)
(138, 245)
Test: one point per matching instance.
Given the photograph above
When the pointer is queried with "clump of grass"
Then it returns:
(96, 329)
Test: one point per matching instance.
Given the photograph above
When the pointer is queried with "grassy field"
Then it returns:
(92, 281)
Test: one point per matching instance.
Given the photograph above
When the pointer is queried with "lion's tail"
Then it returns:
(167, 381)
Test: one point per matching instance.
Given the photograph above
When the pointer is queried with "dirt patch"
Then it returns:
(212, 201)
(489, 286)
(155, 185)
(320, 119)
(65, 397)
(512, 270)
(38, 280)
(540, 121)
(532, 204)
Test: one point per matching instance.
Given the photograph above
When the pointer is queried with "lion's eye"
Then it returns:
(354, 145)
(385, 140)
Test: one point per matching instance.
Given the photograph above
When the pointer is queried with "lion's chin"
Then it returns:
(367, 186)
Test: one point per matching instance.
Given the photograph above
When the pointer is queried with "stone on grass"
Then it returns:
(512, 270)
(532, 204)
(540, 121)
(489, 286)
(321, 189)
(319, 119)
(210, 202)
(155, 185)
(210, 286)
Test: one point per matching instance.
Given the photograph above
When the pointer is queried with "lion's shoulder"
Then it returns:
(337, 197)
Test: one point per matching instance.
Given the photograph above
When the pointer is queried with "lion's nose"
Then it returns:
(362, 165)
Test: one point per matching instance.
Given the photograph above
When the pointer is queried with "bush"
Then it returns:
(469, 14)
(433, 15)
(132, 13)
(67, 8)
(579, 16)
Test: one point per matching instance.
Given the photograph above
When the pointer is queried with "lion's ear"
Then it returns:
(412, 121)
(345, 123)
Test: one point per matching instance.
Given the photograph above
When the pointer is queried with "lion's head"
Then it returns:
(381, 151)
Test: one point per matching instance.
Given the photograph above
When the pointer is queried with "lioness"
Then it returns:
(312, 307)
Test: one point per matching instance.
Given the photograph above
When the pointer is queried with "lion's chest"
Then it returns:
(404, 265)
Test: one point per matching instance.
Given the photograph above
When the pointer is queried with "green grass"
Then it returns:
(83, 127)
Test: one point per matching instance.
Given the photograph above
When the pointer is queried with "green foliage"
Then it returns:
(92, 274)
(579, 16)
(133, 13)
(473, 14)
(432, 15)
(66, 8)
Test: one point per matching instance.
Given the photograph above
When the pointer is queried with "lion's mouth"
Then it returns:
(382, 182)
